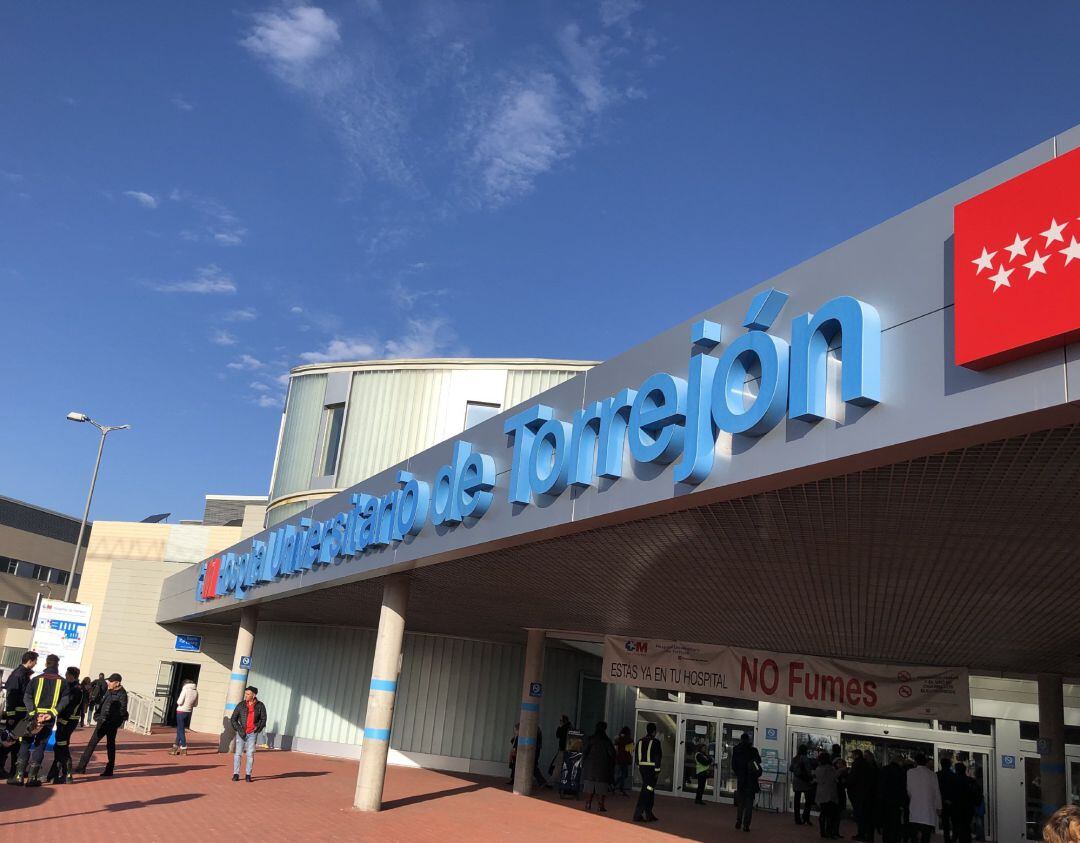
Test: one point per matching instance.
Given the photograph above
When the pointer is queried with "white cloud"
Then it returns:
(144, 199)
(271, 401)
(617, 13)
(296, 309)
(583, 56)
(246, 363)
(524, 136)
(222, 337)
(220, 224)
(423, 337)
(407, 297)
(291, 39)
(13, 178)
(259, 386)
(208, 280)
(243, 314)
(342, 349)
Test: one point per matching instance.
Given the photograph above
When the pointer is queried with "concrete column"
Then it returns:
(238, 680)
(1051, 743)
(381, 697)
(530, 711)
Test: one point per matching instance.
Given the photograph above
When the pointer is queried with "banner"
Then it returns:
(873, 690)
(61, 630)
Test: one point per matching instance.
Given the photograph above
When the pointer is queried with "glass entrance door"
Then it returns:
(698, 735)
(978, 769)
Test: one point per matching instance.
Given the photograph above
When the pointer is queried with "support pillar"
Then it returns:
(385, 669)
(1051, 743)
(531, 693)
(238, 680)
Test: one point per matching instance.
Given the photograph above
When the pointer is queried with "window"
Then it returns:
(977, 726)
(332, 424)
(15, 611)
(726, 702)
(476, 412)
(8, 566)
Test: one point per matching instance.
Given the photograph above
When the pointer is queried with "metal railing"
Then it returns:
(140, 714)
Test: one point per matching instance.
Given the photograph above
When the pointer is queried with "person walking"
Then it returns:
(45, 696)
(98, 688)
(802, 780)
(112, 712)
(248, 720)
(828, 797)
(68, 719)
(965, 798)
(647, 754)
(597, 766)
(513, 752)
(85, 688)
(555, 769)
(704, 765)
(185, 705)
(624, 757)
(947, 785)
(746, 765)
(892, 800)
(861, 788)
(924, 794)
(14, 707)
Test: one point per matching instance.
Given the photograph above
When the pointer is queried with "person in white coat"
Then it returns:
(925, 796)
(185, 704)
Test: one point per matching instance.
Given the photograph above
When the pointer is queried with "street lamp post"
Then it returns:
(105, 431)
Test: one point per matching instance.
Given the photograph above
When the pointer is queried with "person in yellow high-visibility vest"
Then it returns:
(45, 695)
(647, 754)
(704, 764)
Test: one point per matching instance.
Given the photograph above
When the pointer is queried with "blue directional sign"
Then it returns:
(188, 643)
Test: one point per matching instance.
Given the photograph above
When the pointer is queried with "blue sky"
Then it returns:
(195, 197)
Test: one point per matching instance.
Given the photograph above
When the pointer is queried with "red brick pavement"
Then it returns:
(296, 797)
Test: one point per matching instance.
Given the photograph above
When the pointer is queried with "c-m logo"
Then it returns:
(640, 647)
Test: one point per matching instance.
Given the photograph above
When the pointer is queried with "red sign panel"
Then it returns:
(1017, 266)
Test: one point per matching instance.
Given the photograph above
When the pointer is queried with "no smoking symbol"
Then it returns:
(905, 691)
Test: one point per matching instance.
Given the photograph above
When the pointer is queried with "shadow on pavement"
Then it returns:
(298, 774)
(117, 806)
(427, 797)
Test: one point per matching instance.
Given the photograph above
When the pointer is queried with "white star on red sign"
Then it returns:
(1019, 247)
(984, 261)
(1001, 279)
(1037, 264)
(1054, 231)
(1071, 252)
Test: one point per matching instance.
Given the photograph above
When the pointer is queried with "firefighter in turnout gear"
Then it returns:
(46, 694)
(67, 721)
(14, 710)
(647, 754)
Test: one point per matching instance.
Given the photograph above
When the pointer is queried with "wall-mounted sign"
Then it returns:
(1016, 274)
(878, 690)
(188, 643)
(1008, 762)
(665, 419)
(536, 689)
(245, 662)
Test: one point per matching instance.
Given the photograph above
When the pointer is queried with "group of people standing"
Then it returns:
(904, 801)
(37, 705)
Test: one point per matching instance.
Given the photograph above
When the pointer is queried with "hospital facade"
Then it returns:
(828, 465)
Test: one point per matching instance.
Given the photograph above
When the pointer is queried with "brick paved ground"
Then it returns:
(298, 797)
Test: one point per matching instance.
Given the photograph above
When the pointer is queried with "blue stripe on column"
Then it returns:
(238, 677)
(530, 706)
(230, 706)
(384, 685)
(526, 742)
(376, 734)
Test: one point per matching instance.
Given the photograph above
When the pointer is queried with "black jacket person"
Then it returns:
(67, 721)
(647, 754)
(111, 716)
(45, 696)
(13, 708)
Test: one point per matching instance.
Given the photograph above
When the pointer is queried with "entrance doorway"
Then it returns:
(698, 735)
(171, 677)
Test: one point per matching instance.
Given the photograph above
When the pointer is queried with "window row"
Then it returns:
(15, 611)
(33, 571)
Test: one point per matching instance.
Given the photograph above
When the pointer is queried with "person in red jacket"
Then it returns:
(248, 720)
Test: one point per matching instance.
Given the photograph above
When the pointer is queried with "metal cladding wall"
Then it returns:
(297, 451)
(523, 384)
(457, 698)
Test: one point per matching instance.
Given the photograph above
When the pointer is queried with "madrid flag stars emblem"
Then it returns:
(1017, 266)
